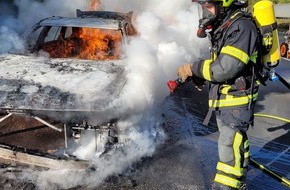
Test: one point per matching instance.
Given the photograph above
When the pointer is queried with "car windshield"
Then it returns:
(76, 42)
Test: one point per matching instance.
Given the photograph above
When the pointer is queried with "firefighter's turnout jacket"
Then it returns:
(233, 87)
(233, 53)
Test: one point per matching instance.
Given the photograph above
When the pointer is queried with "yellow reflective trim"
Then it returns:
(246, 144)
(214, 56)
(232, 17)
(233, 101)
(246, 154)
(225, 89)
(206, 69)
(229, 96)
(237, 171)
(236, 146)
(254, 57)
(237, 53)
(228, 181)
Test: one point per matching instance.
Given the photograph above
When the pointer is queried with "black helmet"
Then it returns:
(222, 9)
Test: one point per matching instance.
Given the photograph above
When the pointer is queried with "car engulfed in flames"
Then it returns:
(73, 71)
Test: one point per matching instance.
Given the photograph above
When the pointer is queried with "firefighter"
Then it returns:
(233, 85)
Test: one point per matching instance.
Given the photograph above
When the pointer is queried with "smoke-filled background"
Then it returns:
(167, 39)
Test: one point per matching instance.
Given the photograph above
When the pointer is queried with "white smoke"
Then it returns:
(31, 11)
(10, 41)
(140, 144)
(166, 39)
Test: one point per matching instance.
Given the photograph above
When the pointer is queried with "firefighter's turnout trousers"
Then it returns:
(231, 71)
(233, 145)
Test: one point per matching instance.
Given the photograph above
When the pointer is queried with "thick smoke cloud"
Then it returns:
(9, 38)
(166, 39)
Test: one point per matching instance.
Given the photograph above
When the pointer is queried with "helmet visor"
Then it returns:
(209, 6)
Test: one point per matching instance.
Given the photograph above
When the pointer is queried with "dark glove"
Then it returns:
(198, 82)
(184, 71)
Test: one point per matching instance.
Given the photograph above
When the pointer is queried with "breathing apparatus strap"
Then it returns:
(215, 88)
(223, 29)
(252, 86)
(214, 98)
(226, 25)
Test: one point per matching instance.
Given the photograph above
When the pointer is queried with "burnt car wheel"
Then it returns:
(283, 49)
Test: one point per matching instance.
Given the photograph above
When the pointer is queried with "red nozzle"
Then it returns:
(172, 85)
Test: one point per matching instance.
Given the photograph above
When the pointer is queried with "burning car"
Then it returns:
(69, 78)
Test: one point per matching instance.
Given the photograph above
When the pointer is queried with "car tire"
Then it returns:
(283, 49)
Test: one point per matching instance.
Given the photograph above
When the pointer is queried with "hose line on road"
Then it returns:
(272, 116)
(266, 170)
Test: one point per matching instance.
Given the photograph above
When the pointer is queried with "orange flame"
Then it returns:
(100, 44)
(59, 49)
(89, 43)
(92, 44)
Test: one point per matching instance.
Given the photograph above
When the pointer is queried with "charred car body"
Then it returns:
(80, 73)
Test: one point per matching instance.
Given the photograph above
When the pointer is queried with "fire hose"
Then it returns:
(272, 174)
(173, 85)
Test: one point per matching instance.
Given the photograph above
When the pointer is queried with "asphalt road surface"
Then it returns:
(187, 159)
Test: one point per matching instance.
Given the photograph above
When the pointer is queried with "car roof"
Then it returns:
(87, 22)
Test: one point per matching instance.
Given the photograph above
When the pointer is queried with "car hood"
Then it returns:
(64, 85)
